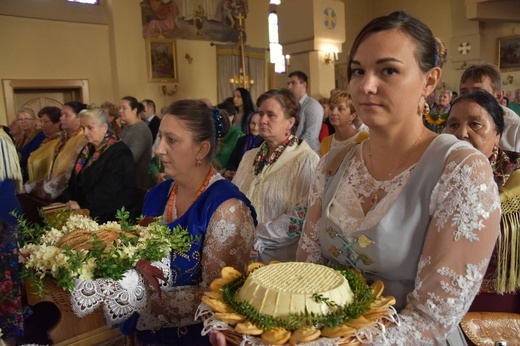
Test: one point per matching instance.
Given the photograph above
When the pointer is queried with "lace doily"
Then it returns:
(118, 299)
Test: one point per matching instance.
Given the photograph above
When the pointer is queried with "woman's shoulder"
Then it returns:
(455, 152)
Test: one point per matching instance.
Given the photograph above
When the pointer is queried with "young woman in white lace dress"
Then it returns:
(417, 210)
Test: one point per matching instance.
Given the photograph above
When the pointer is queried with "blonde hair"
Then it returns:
(27, 110)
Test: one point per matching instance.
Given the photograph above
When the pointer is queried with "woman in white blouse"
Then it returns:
(417, 210)
(276, 177)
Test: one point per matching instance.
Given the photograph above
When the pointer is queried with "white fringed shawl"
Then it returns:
(281, 186)
(10, 164)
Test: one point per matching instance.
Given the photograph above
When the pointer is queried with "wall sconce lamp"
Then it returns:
(331, 57)
(508, 80)
(165, 90)
(189, 58)
(287, 60)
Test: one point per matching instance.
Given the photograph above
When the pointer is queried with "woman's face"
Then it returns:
(340, 115)
(274, 127)
(48, 127)
(69, 120)
(94, 133)
(387, 84)
(254, 125)
(326, 110)
(176, 148)
(25, 121)
(237, 99)
(471, 122)
(444, 99)
(126, 112)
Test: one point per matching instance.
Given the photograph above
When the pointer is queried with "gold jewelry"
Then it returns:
(198, 163)
(374, 198)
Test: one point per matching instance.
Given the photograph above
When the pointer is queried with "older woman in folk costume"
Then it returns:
(276, 177)
(103, 178)
(40, 159)
(211, 208)
(478, 119)
(64, 156)
(417, 210)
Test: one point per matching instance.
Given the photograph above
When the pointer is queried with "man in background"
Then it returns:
(150, 118)
(487, 77)
(311, 114)
(515, 103)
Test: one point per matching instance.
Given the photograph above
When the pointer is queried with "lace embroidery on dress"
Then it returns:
(465, 211)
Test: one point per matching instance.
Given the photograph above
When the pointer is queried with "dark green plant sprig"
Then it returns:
(123, 216)
(180, 239)
(319, 298)
(31, 232)
(363, 297)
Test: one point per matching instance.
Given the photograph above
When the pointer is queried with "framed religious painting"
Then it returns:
(509, 53)
(161, 58)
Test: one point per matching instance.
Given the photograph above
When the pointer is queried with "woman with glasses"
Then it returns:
(31, 138)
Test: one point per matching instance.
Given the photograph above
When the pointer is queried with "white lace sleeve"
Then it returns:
(228, 242)
(309, 249)
(457, 249)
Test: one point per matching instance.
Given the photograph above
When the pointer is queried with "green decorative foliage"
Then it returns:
(43, 260)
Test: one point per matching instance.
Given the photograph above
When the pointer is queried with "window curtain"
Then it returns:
(229, 61)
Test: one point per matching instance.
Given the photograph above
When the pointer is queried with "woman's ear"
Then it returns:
(291, 120)
(204, 149)
(432, 79)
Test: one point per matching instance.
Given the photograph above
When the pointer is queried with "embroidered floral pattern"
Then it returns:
(296, 222)
(503, 164)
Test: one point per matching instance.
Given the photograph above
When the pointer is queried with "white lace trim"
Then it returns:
(118, 299)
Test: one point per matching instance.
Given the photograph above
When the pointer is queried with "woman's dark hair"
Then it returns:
(132, 101)
(76, 106)
(486, 101)
(206, 124)
(249, 106)
(507, 100)
(228, 107)
(288, 101)
(429, 51)
(54, 113)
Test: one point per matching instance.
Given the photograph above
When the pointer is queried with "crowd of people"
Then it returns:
(297, 179)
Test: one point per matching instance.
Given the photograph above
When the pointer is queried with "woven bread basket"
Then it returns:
(79, 239)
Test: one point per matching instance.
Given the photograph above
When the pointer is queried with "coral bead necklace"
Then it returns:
(173, 193)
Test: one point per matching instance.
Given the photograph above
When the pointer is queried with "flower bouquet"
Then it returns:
(436, 118)
(71, 248)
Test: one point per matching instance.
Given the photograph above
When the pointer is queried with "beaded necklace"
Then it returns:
(262, 159)
(171, 198)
